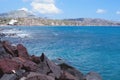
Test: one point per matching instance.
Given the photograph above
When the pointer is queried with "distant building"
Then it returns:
(12, 22)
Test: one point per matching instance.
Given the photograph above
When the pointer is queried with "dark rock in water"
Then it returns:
(3, 53)
(48, 67)
(2, 35)
(35, 59)
(65, 67)
(7, 65)
(26, 64)
(37, 76)
(22, 51)
(93, 76)
(9, 77)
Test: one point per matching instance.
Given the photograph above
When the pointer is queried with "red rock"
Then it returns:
(22, 51)
(35, 59)
(7, 65)
(26, 64)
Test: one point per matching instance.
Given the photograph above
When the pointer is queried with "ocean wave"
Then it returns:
(16, 33)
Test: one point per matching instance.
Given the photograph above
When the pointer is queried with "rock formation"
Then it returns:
(17, 64)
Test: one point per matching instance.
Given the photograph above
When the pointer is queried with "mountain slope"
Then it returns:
(95, 21)
(17, 14)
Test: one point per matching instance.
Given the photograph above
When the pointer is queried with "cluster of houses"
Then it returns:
(12, 22)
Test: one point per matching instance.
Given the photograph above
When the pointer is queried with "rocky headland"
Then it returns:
(17, 64)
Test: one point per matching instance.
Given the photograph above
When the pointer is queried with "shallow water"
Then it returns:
(86, 48)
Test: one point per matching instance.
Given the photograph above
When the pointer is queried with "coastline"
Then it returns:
(60, 25)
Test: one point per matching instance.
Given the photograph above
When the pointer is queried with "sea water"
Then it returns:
(86, 48)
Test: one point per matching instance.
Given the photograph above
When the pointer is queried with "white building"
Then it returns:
(12, 22)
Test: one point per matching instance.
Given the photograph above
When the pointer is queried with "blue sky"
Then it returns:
(106, 9)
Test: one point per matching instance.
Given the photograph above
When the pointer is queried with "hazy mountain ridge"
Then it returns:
(25, 18)
(17, 14)
(94, 21)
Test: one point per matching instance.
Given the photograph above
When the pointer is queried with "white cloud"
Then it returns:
(118, 12)
(25, 9)
(45, 6)
(101, 11)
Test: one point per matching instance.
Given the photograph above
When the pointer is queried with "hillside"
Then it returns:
(24, 18)
(16, 14)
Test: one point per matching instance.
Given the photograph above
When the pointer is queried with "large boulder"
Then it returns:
(67, 76)
(26, 64)
(93, 76)
(37, 76)
(71, 70)
(9, 48)
(22, 51)
(35, 59)
(3, 53)
(8, 65)
(48, 67)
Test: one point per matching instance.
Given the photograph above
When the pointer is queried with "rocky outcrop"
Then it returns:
(7, 65)
(93, 76)
(3, 53)
(22, 52)
(48, 67)
(69, 71)
(17, 64)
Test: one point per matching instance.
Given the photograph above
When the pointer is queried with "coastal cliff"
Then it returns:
(17, 64)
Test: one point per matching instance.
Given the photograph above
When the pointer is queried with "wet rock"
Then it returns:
(22, 51)
(9, 77)
(37, 76)
(93, 76)
(48, 67)
(26, 64)
(7, 65)
(65, 67)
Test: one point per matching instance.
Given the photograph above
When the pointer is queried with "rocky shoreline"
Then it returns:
(17, 64)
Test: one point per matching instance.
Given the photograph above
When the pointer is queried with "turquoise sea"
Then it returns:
(85, 48)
